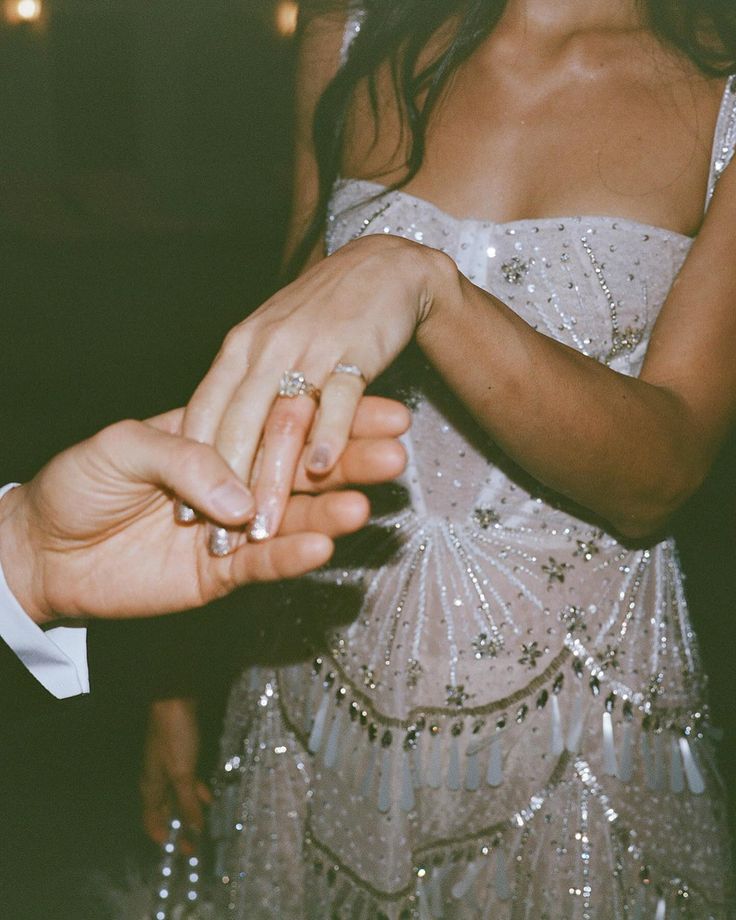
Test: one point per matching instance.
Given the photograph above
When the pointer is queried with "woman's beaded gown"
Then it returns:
(512, 722)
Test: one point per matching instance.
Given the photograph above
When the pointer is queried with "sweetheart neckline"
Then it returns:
(345, 181)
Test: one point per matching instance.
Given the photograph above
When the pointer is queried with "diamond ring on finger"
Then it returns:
(294, 383)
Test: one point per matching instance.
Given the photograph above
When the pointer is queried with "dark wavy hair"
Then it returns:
(397, 31)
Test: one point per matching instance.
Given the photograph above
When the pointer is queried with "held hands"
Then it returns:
(93, 534)
(358, 308)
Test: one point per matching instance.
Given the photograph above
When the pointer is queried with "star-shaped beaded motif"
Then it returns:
(587, 548)
(485, 646)
(413, 672)
(486, 517)
(555, 571)
(572, 617)
(655, 686)
(530, 654)
(369, 677)
(456, 695)
(624, 341)
(608, 658)
(514, 270)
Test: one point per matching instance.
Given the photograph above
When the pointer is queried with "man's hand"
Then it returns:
(94, 534)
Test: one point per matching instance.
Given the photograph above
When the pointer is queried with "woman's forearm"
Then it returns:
(627, 450)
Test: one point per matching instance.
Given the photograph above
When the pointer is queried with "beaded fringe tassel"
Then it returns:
(392, 770)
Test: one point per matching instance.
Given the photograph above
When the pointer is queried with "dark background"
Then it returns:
(144, 182)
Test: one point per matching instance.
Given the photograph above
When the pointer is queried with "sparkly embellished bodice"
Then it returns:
(518, 578)
(512, 722)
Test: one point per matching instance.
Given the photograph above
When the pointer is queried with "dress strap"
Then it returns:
(724, 142)
(356, 14)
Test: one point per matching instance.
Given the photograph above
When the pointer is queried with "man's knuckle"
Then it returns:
(194, 457)
(117, 437)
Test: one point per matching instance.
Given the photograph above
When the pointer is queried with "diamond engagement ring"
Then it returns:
(294, 383)
(352, 369)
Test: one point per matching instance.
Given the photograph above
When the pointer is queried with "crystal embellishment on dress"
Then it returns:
(486, 517)
(414, 672)
(485, 646)
(456, 696)
(622, 340)
(609, 657)
(369, 677)
(515, 270)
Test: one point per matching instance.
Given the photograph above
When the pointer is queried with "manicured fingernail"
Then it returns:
(231, 499)
(221, 542)
(184, 514)
(259, 529)
(320, 458)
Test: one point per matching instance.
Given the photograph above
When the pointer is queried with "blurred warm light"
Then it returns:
(29, 9)
(287, 15)
(23, 10)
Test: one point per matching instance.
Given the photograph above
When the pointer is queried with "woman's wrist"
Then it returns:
(429, 278)
(442, 291)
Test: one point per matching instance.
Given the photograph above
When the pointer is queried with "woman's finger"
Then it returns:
(364, 462)
(210, 400)
(156, 823)
(341, 395)
(242, 424)
(283, 442)
(238, 438)
(378, 417)
(156, 813)
(188, 803)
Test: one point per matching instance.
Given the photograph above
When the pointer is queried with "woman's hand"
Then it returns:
(170, 785)
(360, 307)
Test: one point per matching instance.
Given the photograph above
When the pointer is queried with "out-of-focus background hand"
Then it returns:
(93, 534)
(169, 782)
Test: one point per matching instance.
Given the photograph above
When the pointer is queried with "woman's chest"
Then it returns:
(538, 141)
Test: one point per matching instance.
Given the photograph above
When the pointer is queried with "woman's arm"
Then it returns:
(631, 450)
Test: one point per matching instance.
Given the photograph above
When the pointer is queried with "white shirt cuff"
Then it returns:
(57, 657)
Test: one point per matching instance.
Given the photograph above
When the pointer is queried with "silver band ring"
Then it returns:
(294, 383)
(352, 369)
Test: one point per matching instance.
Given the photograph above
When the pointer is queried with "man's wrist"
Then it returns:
(19, 556)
